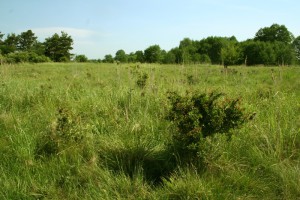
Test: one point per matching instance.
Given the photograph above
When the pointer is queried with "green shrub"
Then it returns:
(142, 80)
(67, 135)
(191, 79)
(35, 58)
(198, 116)
(81, 58)
(22, 57)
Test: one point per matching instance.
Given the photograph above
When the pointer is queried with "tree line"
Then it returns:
(274, 45)
(26, 48)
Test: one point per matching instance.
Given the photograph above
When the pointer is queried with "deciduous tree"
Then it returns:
(274, 33)
(121, 56)
(296, 45)
(58, 47)
(108, 58)
(140, 56)
(230, 53)
(81, 58)
(153, 54)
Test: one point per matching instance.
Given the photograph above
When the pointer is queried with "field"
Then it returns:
(100, 131)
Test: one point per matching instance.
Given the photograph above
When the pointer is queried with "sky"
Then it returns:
(101, 27)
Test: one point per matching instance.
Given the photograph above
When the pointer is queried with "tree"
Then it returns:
(26, 41)
(140, 56)
(274, 33)
(10, 43)
(57, 48)
(189, 50)
(1, 36)
(212, 46)
(178, 55)
(169, 58)
(108, 58)
(153, 54)
(285, 54)
(296, 45)
(121, 56)
(131, 58)
(230, 53)
(257, 52)
(1, 46)
(81, 58)
(38, 48)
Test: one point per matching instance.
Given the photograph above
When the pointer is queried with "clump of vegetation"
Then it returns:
(67, 134)
(191, 79)
(198, 116)
(142, 80)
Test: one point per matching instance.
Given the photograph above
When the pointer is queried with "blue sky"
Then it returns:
(101, 27)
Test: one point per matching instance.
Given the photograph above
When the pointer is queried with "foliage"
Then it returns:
(198, 116)
(26, 41)
(10, 43)
(1, 36)
(230, 53)
(2, 59)
(57, 47)
(121, 56)
(22, 57)
(296, 45)
(81, 58)
(139, 56)
(275, 53)
(188, 50)
(169, 58)
(66, 134)
(131, 58)
(274, 33)
(142, 80)
(108, 59)
(212, 46)
(152, 54)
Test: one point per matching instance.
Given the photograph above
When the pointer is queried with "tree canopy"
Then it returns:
(26, 41)
(296, 45)
(153, 54)
(274, 33)
(58, 47)
(121, 56)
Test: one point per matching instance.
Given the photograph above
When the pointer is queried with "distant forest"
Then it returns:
(274, 45)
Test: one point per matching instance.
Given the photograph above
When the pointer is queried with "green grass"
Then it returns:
(95, 131)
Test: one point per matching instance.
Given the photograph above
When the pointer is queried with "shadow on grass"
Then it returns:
(155, 165)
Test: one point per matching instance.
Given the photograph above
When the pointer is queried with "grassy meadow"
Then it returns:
(100, 131)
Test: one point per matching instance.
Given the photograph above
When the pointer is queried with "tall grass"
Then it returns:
(99, 131)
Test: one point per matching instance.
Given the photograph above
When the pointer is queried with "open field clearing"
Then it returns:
(101, 131)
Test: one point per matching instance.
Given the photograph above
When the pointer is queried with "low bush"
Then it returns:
(22, 57)
(67, 135)
(142, 80)
(200, 115)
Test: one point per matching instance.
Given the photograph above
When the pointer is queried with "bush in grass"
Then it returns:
(200, 115)
(142, 80)
(191, 79)
(67, 135)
